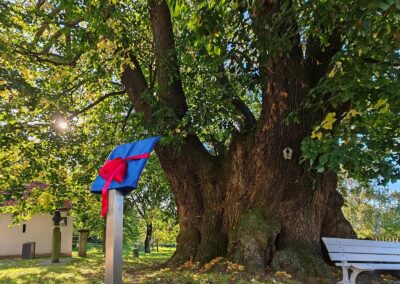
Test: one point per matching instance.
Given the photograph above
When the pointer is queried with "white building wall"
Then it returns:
(39, 230)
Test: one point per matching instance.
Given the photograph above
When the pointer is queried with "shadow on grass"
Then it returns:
(77, 269)
(147, 268)
(41, 270)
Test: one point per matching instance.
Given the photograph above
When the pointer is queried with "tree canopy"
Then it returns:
(62, 60)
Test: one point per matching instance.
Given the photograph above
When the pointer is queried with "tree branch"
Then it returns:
(283, 79)
(136, 85)
(74, 87)
(319, 58)
(51, 58)
(127, 117)
(59, 33)
(170, 90)
(153, 78)
(76, 113)
(168, 75)
(143, 208)
(250, 121)
(134, 202)
(40, 4)
(41, 30)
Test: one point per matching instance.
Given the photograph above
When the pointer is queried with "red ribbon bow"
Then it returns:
(114, 170)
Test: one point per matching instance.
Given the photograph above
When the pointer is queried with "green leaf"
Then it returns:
(217, 50)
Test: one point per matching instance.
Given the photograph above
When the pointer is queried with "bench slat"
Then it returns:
(364, 257)
(353, 242)
(372, 266)
(362, 249)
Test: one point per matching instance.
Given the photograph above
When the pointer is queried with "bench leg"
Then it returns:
(354, 275)
(345, 276)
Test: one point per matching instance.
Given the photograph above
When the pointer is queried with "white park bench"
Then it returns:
(362, 255)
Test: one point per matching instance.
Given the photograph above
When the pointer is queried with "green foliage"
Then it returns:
(39, 90)
(373, 211)
(364, 137)
(133, 229)
(218, 65)
(152, 202)
(165, 229)
(61, 61)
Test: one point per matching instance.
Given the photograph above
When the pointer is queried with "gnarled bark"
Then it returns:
(252, 209)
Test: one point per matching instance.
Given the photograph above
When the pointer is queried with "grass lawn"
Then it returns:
(147, 269)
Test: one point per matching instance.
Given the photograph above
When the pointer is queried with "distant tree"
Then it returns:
(133, 229)
(153, 202)
(373, 210)
(166, 228)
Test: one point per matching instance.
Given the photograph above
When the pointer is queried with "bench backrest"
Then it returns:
(351, 250)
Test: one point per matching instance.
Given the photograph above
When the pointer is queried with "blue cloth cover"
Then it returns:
(134, 167)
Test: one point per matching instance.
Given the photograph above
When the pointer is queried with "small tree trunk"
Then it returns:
(56, 245)
(83, 238)
(157, 247)
(149, 235)
(136, 252)
(56, 242)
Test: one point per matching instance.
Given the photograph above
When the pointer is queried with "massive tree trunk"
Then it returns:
(254, 207)
(249, 204)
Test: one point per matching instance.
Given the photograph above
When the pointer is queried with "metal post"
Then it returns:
(114, 237)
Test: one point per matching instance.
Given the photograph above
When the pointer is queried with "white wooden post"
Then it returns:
(115, 215)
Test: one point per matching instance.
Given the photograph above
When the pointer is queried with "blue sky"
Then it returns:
(395, 186)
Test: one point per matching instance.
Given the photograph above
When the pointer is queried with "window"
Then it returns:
(23, 228)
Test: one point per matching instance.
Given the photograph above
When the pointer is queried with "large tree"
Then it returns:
(260, 104)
